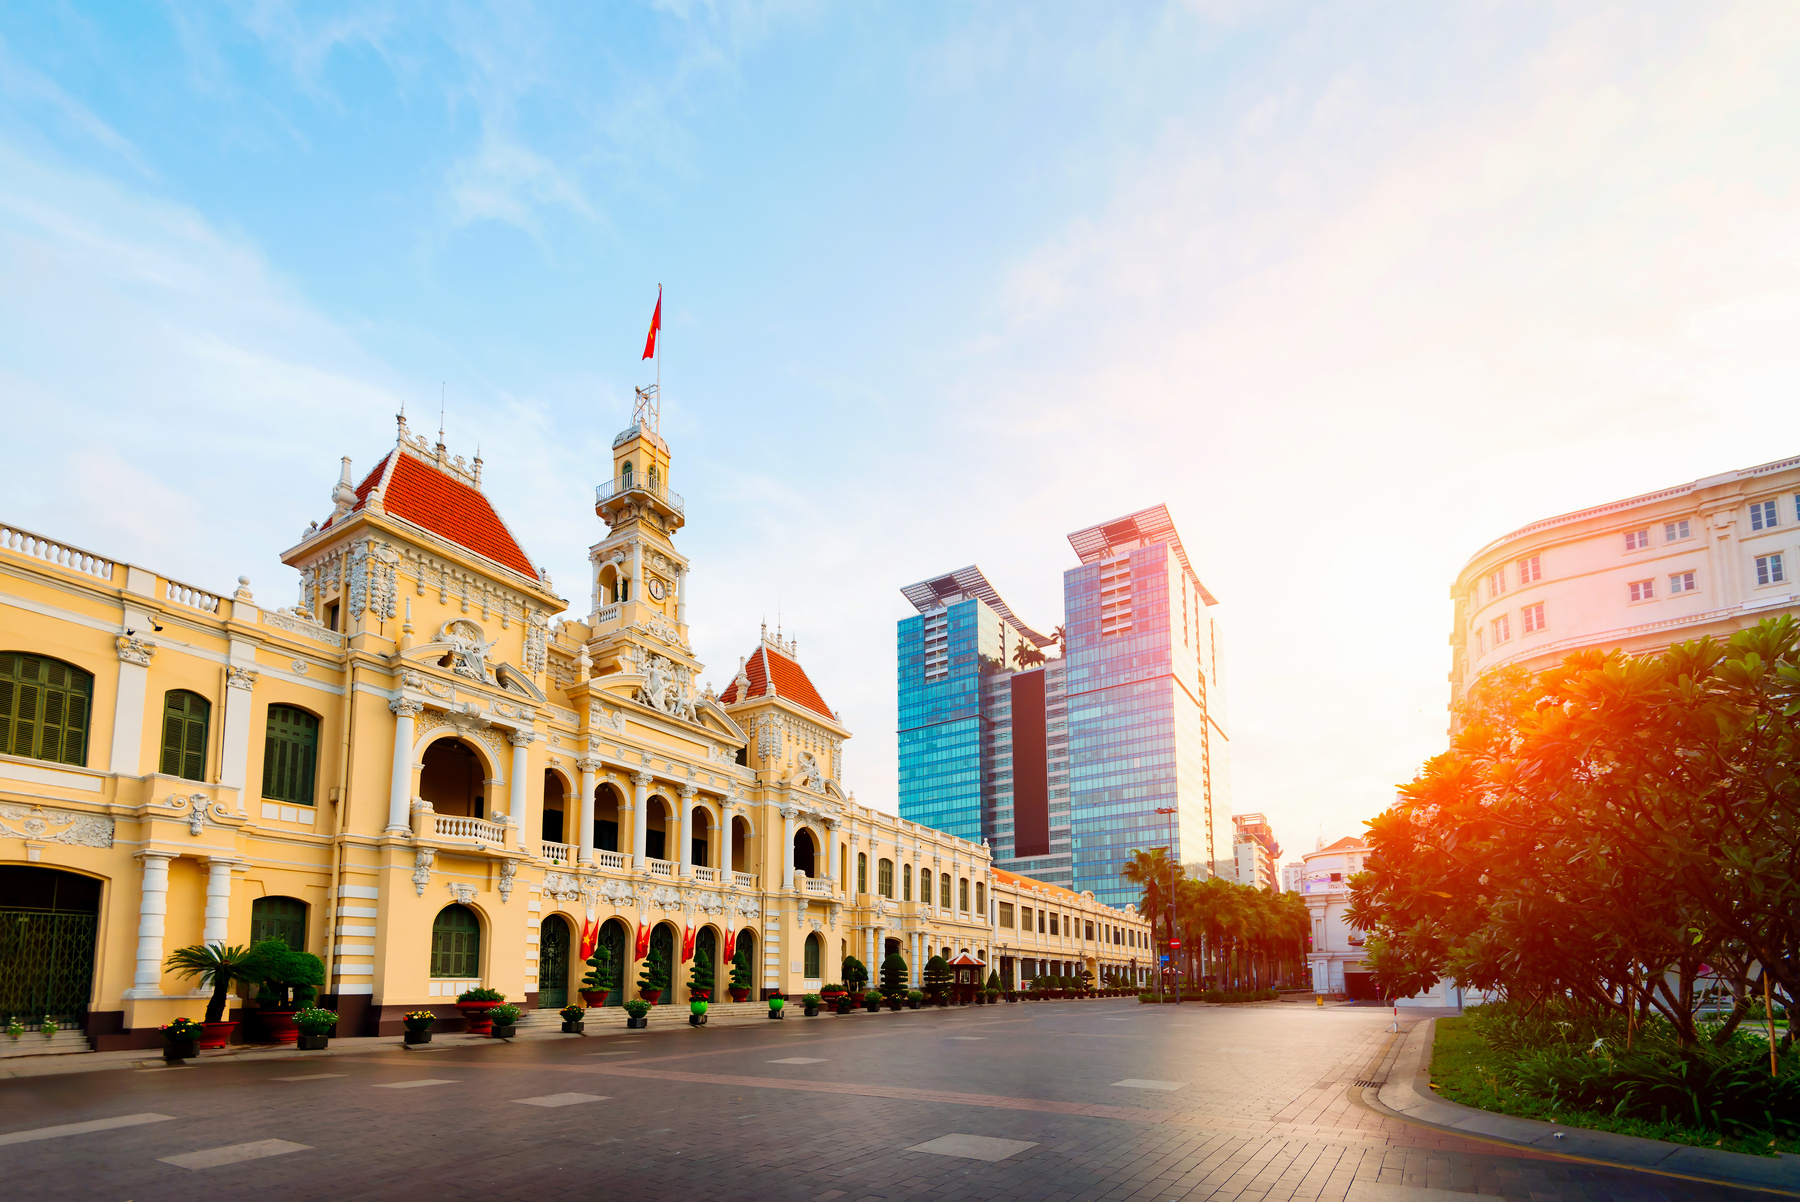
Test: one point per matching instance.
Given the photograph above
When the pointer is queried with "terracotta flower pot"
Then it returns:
(595, 997)
(280, 1025)
(739, 995)
(217, 1035)
(652, 996)
(475, 1014)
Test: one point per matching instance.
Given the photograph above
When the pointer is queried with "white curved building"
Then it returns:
(1706, 558)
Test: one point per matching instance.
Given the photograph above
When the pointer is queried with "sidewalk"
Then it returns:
(1404, 1091)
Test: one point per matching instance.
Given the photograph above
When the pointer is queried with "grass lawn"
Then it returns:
(1464, 1069)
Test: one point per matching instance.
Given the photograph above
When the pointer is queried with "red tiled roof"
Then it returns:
(1026, 882)
(791, 682)
(419, 493)
(1347, 843)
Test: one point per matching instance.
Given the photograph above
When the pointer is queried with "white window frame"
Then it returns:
(1683, 582)
(1637, 540)
(1764, 515)
(1496, 582)
(1531, 619)
(1641, 591)
(1531, 570)
(1502, 628)
(1679, 530)
(1770, 569)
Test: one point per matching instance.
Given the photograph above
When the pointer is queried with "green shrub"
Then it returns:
(1726, 1089)
(314, 1021)
(740, 968)
(603, 974)
(856, 974)
(285, 978)
(893, 975)
(656, 971)
(504, 1016)
(573, 1014)
(637, 1007)
(481, 995)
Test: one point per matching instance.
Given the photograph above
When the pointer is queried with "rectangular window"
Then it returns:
(1531, 569)
(884, 878)
(44, 707)
(1762, 515)
(962, 894)
(1676, 531)
(980, 897)
(1088, 927)
(1040, 922)
(1534, 617)
(1769, 569)
(1006, 915)
(1502, 629)
(290, 749)
(1642, 590)
(862, 872)
(1496, 583)
(1681, 582)
(1637, 540)
(1025, 918)
(905, 883)
(944, 890)
(1053, 919)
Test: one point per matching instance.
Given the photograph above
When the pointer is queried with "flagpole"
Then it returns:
(659, 343)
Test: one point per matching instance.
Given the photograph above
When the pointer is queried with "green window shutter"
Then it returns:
(173, 728)
(290, 749)
(25, 729)
(185, 719)
(44, 706)
(50, 740)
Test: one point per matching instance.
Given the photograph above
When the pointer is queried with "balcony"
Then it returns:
(618, 861)
(639, 482)
(818, 886)
(559, 853)
(478, 829)
(663, 868)
(744, 880)
(709, 875)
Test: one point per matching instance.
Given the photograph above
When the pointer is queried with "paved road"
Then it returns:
(1044, 1101)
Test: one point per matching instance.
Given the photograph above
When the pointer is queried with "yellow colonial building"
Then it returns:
(421, 776)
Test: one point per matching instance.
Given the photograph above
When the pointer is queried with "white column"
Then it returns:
(788, 814)
(153, 906)
(686, 858)
(877, 951)
(234, 751)
(519, 802)
(218, 901)
(584, 835)
(640, 815)
(913, 942)
(400, 784)
(831, 851)
(128, 713)
(681, 587)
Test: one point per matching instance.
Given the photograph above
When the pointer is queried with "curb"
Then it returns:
(1406, 1094)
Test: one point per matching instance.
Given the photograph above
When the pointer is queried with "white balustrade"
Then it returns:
(451, 827)
(744, 880)
(818, 885)
(24, 542)
(616, 860)
(187, 594)
(660, 867)
(702, 873)
(559, 853)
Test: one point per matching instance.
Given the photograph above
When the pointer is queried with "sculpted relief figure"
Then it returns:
(469, 651)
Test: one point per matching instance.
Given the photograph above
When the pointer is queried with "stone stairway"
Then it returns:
(33, 1043)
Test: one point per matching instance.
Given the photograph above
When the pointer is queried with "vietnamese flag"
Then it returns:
(590, 935)
(655, 325)
(643, 940)
(730, 945)
(687, 946)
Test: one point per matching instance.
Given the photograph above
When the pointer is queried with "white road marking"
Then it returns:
(123, 1120)
(800, 1060)
(975, 1147)
(212, 1158)
(1140, 1083)
(1371, 1191)
(415, 1084)
(313, 1077)
(562, 1099)
(968, 1038)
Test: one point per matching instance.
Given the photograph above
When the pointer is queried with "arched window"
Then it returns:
(862, 872)
(815, 953)
(884, 877)
(625, 474)
(962, 893)
(944, 890)
(44, 705)
(282, 918)
(456, 943)
(905, 883)
(185, 719)
(290, 754)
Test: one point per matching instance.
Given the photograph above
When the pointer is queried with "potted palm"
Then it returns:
(217, 965)
(418, 1026)
(285, 980)
(655, 977)
(740, 975)
(181, 1039)
(315, 1027)
(812, 1002)
(602, 977)
(573, 1017)
(501, 1020)
(637, 1013)
(475, 1004)
(776, 1002)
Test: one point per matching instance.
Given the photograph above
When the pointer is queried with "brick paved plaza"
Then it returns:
(1044, 1101)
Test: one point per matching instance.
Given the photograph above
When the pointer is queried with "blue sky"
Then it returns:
(1353, 288)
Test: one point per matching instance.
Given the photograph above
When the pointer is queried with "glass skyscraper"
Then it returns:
(1061, 767)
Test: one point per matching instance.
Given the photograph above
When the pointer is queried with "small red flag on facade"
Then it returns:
(655, 325)
(590, 935)
(730, 946)
(643, 940)
(687, 946)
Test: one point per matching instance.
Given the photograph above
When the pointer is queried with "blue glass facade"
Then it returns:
(941, 753)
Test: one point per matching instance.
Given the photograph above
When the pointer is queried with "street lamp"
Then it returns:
(1174, 942)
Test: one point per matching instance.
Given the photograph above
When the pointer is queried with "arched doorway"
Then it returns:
(700, 845)
(553, 827)
(48, 923)
(452, 779)
(706, 943)
(456, 945)
(615, 938)
(815, 956)
(662, 940)
(740, 845)
(553, 963)
(804, 849)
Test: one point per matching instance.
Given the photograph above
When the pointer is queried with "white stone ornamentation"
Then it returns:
(372, 578)
(508, 871)
(470, 649)
(241, 678)
(195, 804)
(56, 826)
(135, 650)
(421, 873)
(536, 631)
(462, 893)
(298, 620)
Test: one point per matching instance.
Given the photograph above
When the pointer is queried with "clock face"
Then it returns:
(656, 589)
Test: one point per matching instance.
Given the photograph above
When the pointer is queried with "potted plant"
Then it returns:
(602, 977)
(418, 1026)
(285, 980)
(981, 997)
(637, 1013)
(895, 1000)
(475, 1004)
(846, 1002)
(47, 1028)
(872, 1000)
(856, 974)
(831, 993)
(776, 1002)
(697, 1001)
(218, 966)
(181, 1039)
(501, 1020)
(937, 980)
(812, 1002)
(315, 1026)
(572, 1018)
(700, 976)
(913, 998)
(740, 974)
(655, 976)
(893, 976)
(15, 1028)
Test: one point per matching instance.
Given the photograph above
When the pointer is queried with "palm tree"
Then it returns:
(216, 965)
(1153, 871)
(1027, 656)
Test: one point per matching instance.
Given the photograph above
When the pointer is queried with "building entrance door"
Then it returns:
(48, 924)
(553, 965)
